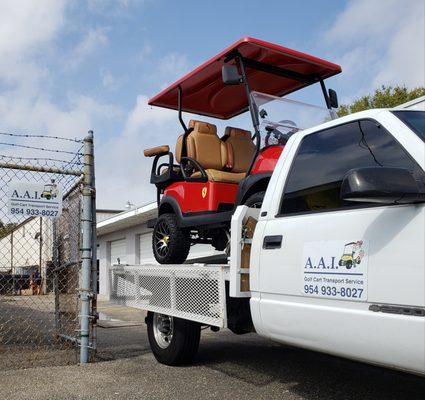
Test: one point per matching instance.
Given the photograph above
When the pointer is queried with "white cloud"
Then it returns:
(122, 171)
(27, 104)
(113, 7)
(171, 67)
(25, 25)
(144, 116)
(28, 32)
(25, 30)
(109, 81)
(93, 40)
(144, 52)
(379, 42)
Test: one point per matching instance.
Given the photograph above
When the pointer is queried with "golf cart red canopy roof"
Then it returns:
(205, 93)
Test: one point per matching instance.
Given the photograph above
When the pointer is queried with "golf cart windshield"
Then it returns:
(280, 118)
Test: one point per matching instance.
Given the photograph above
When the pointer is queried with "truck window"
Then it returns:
(323, 159)
(415, 120)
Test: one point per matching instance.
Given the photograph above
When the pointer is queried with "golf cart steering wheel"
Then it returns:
(281, 138)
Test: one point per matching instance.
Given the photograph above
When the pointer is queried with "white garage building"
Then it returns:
(125, 238)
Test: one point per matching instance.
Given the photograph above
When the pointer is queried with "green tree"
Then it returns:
(5, 229)
(383, 97)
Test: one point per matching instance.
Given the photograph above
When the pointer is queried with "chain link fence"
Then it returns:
(40, 255)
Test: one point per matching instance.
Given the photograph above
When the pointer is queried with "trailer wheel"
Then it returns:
(255, 200)
(170, 244)
(173, 341)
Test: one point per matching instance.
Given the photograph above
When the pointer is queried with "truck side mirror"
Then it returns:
(333, 98)
(384, 185)
(230, 75)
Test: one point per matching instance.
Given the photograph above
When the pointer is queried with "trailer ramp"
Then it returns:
(189, 291)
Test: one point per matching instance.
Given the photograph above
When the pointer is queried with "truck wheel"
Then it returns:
(173, 341)
(255, 200)
(170, 244)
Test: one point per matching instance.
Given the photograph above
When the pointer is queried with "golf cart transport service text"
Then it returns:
(329, 253)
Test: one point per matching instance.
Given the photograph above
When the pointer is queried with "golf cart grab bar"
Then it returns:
(155, 175)
(184, 161)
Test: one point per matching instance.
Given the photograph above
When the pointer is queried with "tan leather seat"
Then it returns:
(221, 176)
(204, 146)
(240, 148)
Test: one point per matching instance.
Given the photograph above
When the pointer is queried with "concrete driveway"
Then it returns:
(227, 367)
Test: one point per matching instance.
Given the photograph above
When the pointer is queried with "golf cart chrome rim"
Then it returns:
(162, 239)
(163, 328)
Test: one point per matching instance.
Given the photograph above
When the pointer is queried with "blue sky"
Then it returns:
(70, 66)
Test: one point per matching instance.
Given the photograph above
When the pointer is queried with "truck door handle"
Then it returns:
(272, 242)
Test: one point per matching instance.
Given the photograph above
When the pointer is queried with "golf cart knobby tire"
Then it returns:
(178, 244)
(183, 345)
(255, 199)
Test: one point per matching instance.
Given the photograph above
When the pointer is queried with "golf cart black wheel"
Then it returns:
(173, 341)
(170, 244)
(255, 200)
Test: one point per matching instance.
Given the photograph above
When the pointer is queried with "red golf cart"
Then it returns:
(208, 176)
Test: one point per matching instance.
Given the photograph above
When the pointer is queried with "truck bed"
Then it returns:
(195, 292)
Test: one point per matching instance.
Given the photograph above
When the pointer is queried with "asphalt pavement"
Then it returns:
(227, 367)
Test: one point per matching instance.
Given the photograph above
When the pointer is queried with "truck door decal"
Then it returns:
(335, 269)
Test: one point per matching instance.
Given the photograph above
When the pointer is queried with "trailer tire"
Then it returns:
(175, 244)
(255, 200)
(183, 344)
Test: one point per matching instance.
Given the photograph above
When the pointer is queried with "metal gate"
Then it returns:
(47, 263)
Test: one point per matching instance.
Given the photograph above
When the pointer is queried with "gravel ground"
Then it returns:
(227, 366)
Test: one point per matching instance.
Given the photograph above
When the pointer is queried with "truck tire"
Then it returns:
(173, 341)
(170, 244)
(255, 200)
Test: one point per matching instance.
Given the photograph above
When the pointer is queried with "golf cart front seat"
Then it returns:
(240, 148)
(206, 148)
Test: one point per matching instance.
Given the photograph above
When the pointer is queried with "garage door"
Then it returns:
(145, 249)
(118, 252)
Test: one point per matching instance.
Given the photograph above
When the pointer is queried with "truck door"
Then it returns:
(342, 277)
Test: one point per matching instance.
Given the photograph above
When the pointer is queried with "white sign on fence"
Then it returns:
(35, 199)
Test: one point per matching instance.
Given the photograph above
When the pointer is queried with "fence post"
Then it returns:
(87, 248)
(94, 272)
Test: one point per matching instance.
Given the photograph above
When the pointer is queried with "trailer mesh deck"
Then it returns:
(194, 292)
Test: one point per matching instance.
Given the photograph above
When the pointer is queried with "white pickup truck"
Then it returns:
(333, 261)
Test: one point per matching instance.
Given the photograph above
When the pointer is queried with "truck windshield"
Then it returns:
(280, 118)
(414, 119)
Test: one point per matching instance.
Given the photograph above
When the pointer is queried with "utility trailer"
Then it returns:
(196, 292)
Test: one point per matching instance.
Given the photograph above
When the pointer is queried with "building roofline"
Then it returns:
(127, 219)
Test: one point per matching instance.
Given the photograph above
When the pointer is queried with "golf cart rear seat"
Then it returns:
(212, 154)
